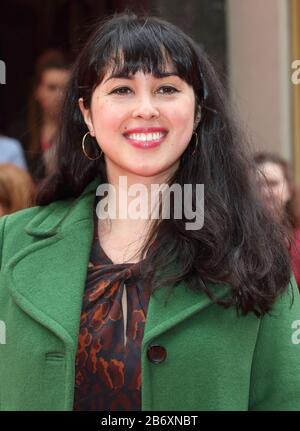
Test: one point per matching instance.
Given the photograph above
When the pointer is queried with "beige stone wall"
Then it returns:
(259, 70)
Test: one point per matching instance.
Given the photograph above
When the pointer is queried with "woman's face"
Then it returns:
(143, 124)
(51, 89)
(275, 188)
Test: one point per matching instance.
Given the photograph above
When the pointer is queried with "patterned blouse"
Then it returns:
(108, 360)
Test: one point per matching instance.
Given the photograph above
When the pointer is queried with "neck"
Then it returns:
(50, 120)
(125, 212)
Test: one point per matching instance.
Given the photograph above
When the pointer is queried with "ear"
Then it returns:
(197, 117)
(86, 113)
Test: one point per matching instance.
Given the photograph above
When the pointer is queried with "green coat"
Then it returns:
(215, 359)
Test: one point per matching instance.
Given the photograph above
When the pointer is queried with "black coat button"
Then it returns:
(156, 354)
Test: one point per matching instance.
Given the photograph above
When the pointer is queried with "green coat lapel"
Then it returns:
(47, 278)
(166, 311)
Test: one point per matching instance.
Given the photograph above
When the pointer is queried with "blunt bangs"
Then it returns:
(146, 45)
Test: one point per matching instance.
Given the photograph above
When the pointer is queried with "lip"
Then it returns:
(146, 130)
(146, 144)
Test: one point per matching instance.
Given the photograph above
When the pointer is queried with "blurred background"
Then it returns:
(251, 42)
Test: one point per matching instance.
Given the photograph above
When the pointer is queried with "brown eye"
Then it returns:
(122, 91)
(52, 87)
(167, 89)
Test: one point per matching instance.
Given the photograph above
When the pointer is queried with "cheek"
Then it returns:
(183, 123)
(180, 117)
(41, 97)
(107, 118)
(182, 114)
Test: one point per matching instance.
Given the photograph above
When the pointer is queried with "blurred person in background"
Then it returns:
(40, 132)
(11, 151)
(17, 190)
(282, 198)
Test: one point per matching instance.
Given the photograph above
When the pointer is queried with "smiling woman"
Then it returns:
(141, 112)
(143, 314)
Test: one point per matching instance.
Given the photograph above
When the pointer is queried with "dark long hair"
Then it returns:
(238, 244)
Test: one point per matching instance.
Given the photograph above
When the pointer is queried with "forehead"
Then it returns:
(55, 76)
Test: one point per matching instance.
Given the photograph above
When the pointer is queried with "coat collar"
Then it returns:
(58, 215)
(47, 278)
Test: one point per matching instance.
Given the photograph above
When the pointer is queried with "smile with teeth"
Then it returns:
(145, 137)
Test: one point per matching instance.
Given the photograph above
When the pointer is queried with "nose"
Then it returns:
(145, 108)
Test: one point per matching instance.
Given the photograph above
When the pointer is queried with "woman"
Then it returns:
(282, 198)
(17, 190)
(52, 73)
(130, 313)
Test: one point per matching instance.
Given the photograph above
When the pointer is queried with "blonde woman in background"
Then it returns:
(17, 190)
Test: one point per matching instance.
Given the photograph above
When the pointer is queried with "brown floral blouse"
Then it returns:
(108, 360)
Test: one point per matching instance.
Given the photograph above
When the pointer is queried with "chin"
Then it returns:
(149, 170)
(145, 172)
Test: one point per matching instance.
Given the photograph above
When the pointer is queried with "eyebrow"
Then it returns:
(123, 75)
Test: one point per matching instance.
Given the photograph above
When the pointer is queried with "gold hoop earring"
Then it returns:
(84, 151)
(196, 145)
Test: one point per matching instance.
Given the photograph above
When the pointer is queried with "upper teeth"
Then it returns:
(145, 136)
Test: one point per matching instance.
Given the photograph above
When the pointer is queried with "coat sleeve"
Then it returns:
(275, 373)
